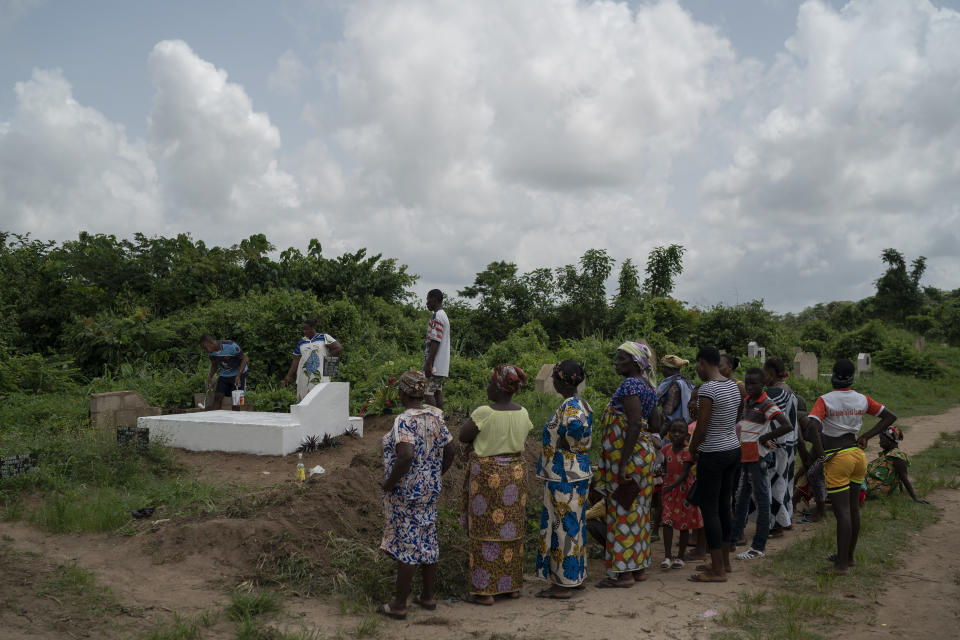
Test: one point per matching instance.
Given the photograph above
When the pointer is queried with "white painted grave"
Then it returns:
(752, 349)
(325, 411)
(864, 364)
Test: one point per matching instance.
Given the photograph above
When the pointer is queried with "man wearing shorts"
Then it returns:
(839, 415)
(229, 358)
(436, 350)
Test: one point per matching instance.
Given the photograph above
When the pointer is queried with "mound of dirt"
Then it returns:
(345, 502)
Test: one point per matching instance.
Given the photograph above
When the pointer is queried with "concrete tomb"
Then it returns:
(119, 409)
(805, 365)
(864, 364)
(752, 349)
(324, 411)
(544, 383)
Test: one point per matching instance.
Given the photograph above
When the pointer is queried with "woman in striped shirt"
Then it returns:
(716, 451)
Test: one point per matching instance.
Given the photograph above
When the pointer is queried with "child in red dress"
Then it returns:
(678, 514)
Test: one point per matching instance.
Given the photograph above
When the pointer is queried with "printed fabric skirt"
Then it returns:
(410, 532)
(628, 530)
(493, 513)
(562, 556)
(781, 475)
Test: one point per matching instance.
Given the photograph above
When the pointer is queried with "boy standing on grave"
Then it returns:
(311, 350)
(757, 441)
(229, 358)
(840, 413)
(436, 352)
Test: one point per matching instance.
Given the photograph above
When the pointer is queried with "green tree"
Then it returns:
(664, 265)
(898, 291)
(584, 306)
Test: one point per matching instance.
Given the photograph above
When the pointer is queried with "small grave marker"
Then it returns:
(805, 365)
(136, 436)
(864, 364)
(13, 466)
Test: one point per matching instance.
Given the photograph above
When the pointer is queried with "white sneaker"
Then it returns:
(666, 563)
(750, 554)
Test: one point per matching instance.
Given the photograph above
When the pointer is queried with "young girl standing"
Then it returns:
(678, 514)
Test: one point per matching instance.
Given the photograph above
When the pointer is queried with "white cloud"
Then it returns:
(288, 75)
(858, 149)
(217, 156)
(65, 167)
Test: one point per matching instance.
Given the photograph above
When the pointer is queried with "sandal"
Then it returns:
(705, 577)
(429, 606)
(750, 554)
(554, 595)
(385, 610)
(472, 598)
(666, 563)
(610, 583)
(677, 564)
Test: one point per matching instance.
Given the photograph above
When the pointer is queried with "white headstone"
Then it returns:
(762, 353)
(864, 364)
(752, 349)
(805, 365)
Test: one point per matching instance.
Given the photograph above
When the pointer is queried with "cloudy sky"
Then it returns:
(784, 144)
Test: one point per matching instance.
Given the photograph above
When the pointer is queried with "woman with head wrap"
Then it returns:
(564, 465)
(840, 416)
(624, 475)
(889, 470)
(416, 453)
(494, 492)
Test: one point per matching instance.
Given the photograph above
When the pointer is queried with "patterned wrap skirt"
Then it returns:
(781, 474)
(410, 532)
(562, 556)
(627, 545)
(494, 515)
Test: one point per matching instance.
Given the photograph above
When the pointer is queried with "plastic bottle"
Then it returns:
(301, 470)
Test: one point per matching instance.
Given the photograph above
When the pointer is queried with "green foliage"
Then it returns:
(898, 291)
(867, 339)
(33, 372)
(664, 264)
(900, 357)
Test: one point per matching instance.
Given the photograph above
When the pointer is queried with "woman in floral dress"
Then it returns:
(494, 492)
(624, 476)
(416, 453)
(564, 465)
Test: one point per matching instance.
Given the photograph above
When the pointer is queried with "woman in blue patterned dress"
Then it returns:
(565, 466)
(416, 453)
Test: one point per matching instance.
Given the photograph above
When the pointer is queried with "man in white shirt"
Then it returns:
(436, 351)
(311, 349)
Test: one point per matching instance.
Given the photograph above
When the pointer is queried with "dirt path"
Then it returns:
(666, 605)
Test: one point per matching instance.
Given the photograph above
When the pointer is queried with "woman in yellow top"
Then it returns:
(494, 492)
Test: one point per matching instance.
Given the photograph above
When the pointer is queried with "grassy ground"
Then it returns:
(805, 600)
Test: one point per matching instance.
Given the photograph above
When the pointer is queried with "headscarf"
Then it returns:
(642, 355)
(569, 372)
(413, 383)
(843, 374)
(508, 378)
(893, 433)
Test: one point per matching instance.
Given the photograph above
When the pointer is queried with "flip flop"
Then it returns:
(386, 611)
(471, 598)
(423, 605)
(699, 577)
(610, 583)
(553, 595)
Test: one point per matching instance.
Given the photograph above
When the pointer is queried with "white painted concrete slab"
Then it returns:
(324, 411)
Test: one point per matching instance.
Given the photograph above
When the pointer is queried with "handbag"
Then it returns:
(693, 495)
